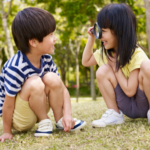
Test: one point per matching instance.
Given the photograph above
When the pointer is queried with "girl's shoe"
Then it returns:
(148, 116)
(110, 117)
(45, 128)
(79, 124)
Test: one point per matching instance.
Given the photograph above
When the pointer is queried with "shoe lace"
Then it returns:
(45, 125)
(75, 119)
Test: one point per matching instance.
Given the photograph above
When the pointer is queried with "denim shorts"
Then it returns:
(133, 107)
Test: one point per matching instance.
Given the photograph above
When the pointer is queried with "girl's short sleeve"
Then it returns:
(137, 58)
(98, 57)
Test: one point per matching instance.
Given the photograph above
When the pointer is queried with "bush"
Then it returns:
(83, 91)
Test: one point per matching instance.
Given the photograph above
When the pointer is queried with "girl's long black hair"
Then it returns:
(121, 20)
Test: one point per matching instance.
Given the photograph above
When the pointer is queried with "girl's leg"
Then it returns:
(144, 78)
(144, 82)
(107, 83)
(55, 91)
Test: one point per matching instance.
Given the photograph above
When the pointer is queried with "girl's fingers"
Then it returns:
(89, 31)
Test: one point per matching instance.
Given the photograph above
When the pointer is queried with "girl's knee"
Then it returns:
(103, 71)
(145, 68)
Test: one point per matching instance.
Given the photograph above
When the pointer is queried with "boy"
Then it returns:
(29, 81)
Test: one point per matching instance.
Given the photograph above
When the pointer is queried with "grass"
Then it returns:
(134, 134)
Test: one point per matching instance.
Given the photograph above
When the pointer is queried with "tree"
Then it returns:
(5, 26)
(147, 7)
(78, 14)
(75, 52)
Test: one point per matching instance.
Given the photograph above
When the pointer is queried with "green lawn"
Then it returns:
(132, 135)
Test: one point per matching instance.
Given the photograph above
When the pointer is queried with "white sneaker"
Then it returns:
(148, 116)
(79, 124)
(45, 128)
(110, 117)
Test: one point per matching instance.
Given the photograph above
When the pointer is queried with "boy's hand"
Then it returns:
(68, 123)
(6, 136)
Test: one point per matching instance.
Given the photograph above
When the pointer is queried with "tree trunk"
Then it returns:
(76, 53)
(147, 7)
(7, 34)
(77, 78)
(5, 27)
(93, 94)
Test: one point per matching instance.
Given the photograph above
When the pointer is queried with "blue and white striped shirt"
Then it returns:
(17, 70)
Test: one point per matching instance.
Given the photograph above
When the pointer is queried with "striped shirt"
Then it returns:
(17, 70)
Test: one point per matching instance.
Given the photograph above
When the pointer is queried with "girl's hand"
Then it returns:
(6, 136)
(112, 62)
(89, 32)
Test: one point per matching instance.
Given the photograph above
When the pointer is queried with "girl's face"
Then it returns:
(109, 39)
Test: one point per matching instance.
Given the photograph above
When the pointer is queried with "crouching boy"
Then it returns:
(29, 81)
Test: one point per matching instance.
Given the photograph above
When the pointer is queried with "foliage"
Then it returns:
(73, 18)
(4, 57)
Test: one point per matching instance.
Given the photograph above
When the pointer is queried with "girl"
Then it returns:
(124, 74)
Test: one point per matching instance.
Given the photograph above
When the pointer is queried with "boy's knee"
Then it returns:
(52, 80)
(35, 84)
(102, 72)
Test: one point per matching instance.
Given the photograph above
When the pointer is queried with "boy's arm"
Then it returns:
(68, 121)
(8, 109)
(88, 57)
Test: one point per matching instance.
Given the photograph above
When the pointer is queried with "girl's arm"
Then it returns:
(88, 57)
(129, 86)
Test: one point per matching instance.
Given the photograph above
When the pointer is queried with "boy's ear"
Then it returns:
(33, 42)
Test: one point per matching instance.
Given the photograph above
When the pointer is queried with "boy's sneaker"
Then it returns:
(79, 124)
(148, 116)
(110, 117)
(45, 128)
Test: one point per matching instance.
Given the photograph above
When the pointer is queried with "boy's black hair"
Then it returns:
(31, 23)
(121, 20)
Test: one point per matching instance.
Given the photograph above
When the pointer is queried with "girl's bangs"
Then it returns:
(103, 20)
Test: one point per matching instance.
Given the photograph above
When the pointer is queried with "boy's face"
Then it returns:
(47, 46)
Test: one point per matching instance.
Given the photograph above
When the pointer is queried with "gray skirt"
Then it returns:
(133, 107)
